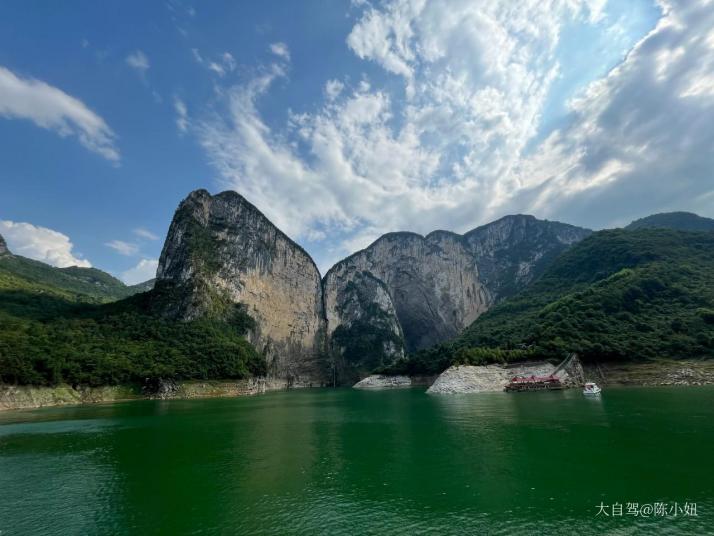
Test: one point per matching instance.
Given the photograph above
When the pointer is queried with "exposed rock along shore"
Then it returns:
(489, 378)
(477, 379)
(27, 396)
(379, 381)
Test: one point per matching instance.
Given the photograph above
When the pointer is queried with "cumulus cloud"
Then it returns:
(457, 146)
(51, 108)
(139, 61)
(143, 271)
(123, 248)
(40, 243)
(333, 88)
(639, 140)
(145, 234)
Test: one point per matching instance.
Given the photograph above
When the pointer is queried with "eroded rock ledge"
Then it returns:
(478, 379)
(379, 381)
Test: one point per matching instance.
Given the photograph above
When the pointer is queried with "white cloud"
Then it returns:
(143, 271)
(40, 243)
(223, 65)
(181, 115)
(51, 108)
(333, 88)
(145, 233)
(228, 61)
(281, 50)
(454, 148)
(123, 248)
(139, 61)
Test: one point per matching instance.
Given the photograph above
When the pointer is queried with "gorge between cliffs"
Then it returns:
(403, 293)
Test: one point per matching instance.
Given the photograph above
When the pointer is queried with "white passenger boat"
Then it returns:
(591, 388)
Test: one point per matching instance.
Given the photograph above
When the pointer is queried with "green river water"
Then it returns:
(341, 461)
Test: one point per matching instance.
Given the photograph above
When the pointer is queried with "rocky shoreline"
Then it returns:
(381, 381)
(29, 396)
(492, 378)
(489, 378)
(457, 379)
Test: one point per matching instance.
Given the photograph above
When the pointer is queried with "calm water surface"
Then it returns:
(355, 462)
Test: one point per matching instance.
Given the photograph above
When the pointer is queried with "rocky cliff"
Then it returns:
(432, 282)
(441, 283)
(222, 252)
(366, 332)
(514, 250)
(403, 293)
(3, 247)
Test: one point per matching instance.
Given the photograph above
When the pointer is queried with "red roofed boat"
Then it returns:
(534, 383)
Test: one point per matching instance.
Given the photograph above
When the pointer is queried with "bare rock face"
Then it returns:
(3, 247)
(488, 378)
(432, 282)
(441, 283)
(221, 251)
(514, 250)
(405, 292)
(366, 333)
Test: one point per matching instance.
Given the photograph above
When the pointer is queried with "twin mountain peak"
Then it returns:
(403, 293)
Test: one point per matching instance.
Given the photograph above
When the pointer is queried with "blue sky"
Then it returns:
(343, 120)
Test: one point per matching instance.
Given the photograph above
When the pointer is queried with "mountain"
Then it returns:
(222, 252)
(617, 294)
(682, 221)
(142, 287)
(64, 325)
(234, 297)
(75, 283)
(433, 286)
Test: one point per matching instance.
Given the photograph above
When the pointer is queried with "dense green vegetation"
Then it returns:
(681, 221)
(73, 283)
(616, 295)
(45, 340)
(55, 328)
(365, 342)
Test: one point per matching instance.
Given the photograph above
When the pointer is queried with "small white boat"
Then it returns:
(591, 388)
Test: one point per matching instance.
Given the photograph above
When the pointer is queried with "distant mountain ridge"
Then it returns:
(681, 221)
(76, 283)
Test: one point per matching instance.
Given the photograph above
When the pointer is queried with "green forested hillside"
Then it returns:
(680, 221)
(616, 295)
(73, 283)
(46, 339)
(56, 326)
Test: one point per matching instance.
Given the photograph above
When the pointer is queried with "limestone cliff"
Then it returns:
(221, 251)
(441, 283)
(432, 282)
(403, 293)
(366, 333)
(3, 247)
